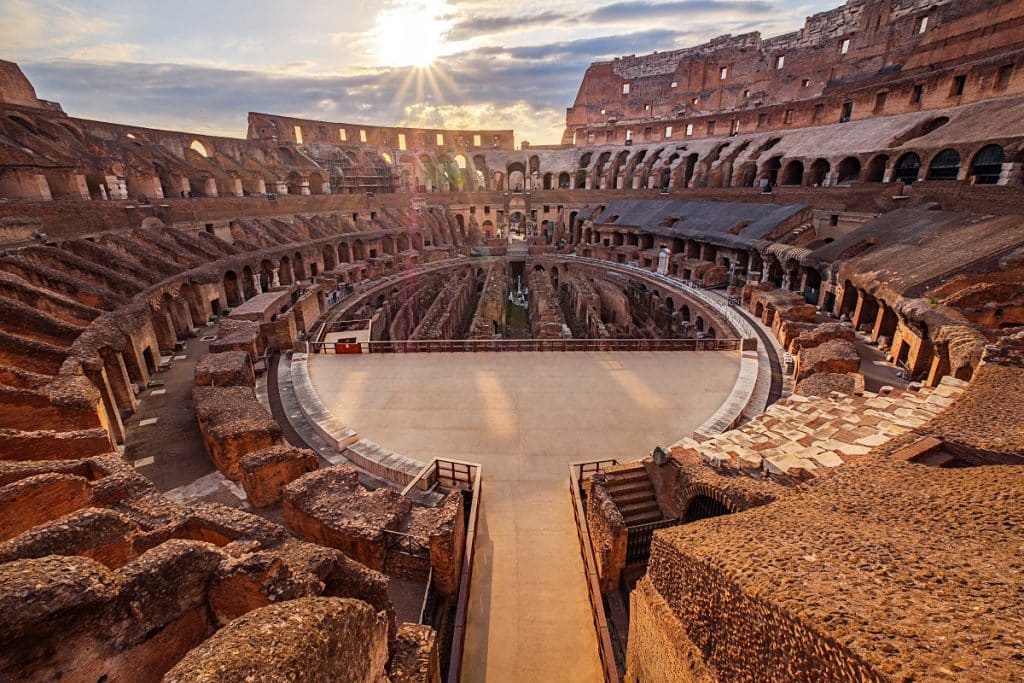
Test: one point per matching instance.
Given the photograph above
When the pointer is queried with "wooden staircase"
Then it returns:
(633, 493)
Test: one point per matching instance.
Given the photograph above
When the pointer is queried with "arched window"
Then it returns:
(987, 165)
(945, 165)
(907, 168)
(199, 148)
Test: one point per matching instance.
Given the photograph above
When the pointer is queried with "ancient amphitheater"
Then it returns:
(725, 387)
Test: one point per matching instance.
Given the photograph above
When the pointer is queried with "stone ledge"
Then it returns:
(364, 453)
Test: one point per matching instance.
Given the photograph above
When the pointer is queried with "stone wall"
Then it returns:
(125, 582)
(315, 640)
(607, 534)
(546, 319)
(265, 473)
(489, 317)
(233, 424)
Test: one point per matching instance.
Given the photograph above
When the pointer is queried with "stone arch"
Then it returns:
(848, 171)
(987, 165)
(295, 183)
(316, 183)
(358, 250)
(876, 169)
(200, 149)
(907, 168)
(429, 179)
(689, 167)
(615, 170)
(770, 170)
(703, 506)
(266, 274)
(599, 167)
(548, 181)
(330, 257)
(299, 266)
(747, 174)
(344, 252)
(818, 174)
(793, 174)
(232, 292)
(516, 177)
(284, 273)
(945, 165)
(248, 282)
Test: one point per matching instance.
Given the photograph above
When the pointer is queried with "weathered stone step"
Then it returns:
(646, 518)
(617, 489)
(639, 508)
(633, 497)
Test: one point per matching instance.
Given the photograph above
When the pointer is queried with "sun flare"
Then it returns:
(411, 33)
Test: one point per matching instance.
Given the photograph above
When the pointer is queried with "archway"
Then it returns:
(564, 180)
(248, 285)
(231, 290)
(945, 165)
(330, 261)
(876, 169)
(849, 170)
(770, 171)
(818, 173)
(793, 173)
(344, 253)
(284, 272)
(703, 507)
(516, 177)
(907, 168)
(689, 167)
(299, 266)
(987, 165)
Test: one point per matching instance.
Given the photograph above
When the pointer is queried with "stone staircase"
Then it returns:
(633, 493)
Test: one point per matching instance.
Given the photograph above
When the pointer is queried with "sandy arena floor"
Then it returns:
(525, 416)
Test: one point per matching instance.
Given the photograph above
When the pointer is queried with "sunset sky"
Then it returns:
(201, 66)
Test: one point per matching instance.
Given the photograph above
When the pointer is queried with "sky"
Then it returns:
(201, 66)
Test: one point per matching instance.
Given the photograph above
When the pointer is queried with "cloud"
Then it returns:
(32, 27)
(632, 11)
(476, 25)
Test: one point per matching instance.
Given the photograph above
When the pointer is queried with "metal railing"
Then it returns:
(462, 476)
(491, 345)
(406, 544)
(638, 539)
(577, 474)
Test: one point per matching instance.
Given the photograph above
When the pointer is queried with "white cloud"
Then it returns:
(32, 27)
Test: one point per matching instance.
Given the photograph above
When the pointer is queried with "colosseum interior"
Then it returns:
(727, 386)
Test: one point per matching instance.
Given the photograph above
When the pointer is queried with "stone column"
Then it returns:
(275, 279)
(257, 287)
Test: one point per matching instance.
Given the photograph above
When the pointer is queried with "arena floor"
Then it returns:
(525, 416)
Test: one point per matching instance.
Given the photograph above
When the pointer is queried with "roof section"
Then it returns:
(718, 220)
(913, 249)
